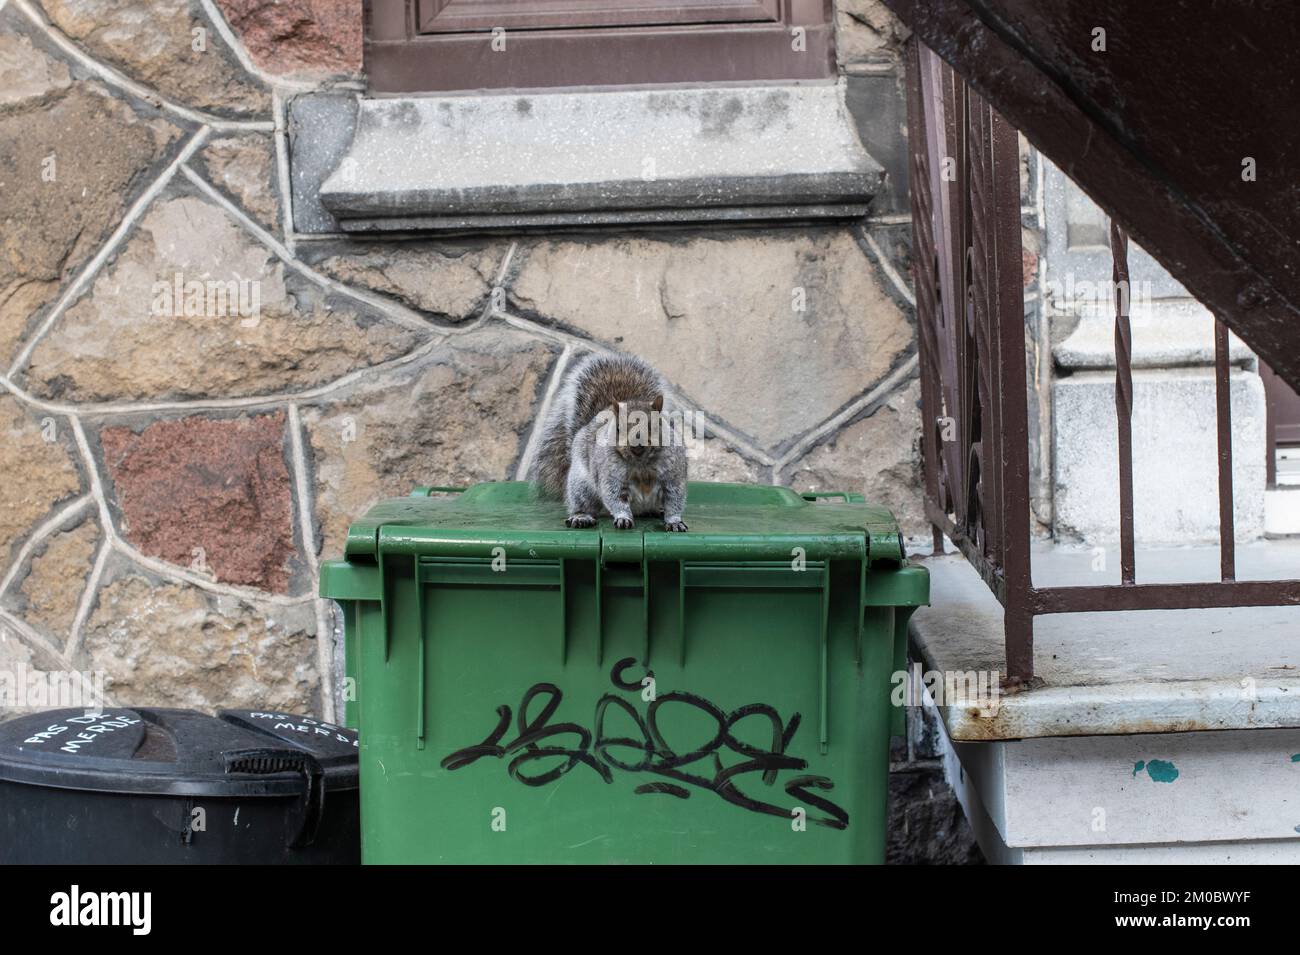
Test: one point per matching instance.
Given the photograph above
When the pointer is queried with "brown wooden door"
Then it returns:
(463, 16)
(415, 46)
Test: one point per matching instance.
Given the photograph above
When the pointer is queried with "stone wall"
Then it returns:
(175, 467)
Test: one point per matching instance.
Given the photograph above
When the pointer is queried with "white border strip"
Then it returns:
(114, 78)
(88, 597)
(398, 313)
(543, 412)
(91, 268)
(61, 518)
(245, 59)
(888, 268)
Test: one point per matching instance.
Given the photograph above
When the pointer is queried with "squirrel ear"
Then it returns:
(658, 403)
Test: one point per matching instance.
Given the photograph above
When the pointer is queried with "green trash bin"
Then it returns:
(527, 693)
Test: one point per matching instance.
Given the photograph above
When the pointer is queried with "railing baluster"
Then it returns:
(1223, 417)
(924, 279)
(939, 131)
(1123, 400)
(1012, 397)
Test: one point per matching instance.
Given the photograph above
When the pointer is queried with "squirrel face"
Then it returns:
(637, 431)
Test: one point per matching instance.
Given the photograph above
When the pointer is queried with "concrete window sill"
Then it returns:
(505, 161)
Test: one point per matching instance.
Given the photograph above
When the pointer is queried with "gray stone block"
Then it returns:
(880, 112)
(321, 126)
(1175, 458)
(1167, 333)
(601, 158)
(1078, 254)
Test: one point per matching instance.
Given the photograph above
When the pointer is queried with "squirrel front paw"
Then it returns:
(580, 520)
(623, 523)
(677, 526)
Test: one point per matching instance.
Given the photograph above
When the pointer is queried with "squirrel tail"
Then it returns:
(551, 468)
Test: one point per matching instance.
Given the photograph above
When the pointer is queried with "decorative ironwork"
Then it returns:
(965, 193)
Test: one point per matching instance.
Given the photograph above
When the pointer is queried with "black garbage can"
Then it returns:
(165, 786)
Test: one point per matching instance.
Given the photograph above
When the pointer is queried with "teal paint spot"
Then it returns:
(1296, 758)
(1161, 771)
(1137, 768)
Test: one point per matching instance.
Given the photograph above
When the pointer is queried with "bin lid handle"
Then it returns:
(847, 497)
(269, 760)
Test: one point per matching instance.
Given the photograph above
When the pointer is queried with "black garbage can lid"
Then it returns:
(177, 752)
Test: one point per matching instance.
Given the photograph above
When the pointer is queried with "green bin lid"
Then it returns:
(728, 522)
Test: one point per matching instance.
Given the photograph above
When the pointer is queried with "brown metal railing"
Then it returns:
(970, 309)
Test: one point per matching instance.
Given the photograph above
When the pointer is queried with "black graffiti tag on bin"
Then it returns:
(537, 738)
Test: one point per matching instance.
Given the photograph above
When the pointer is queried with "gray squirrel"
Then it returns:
(608, 446)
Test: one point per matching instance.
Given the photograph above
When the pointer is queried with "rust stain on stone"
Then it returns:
(1008, 723)
(213, 495)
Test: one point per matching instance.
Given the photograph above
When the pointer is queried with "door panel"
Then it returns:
(463, 16)
(431, 46)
